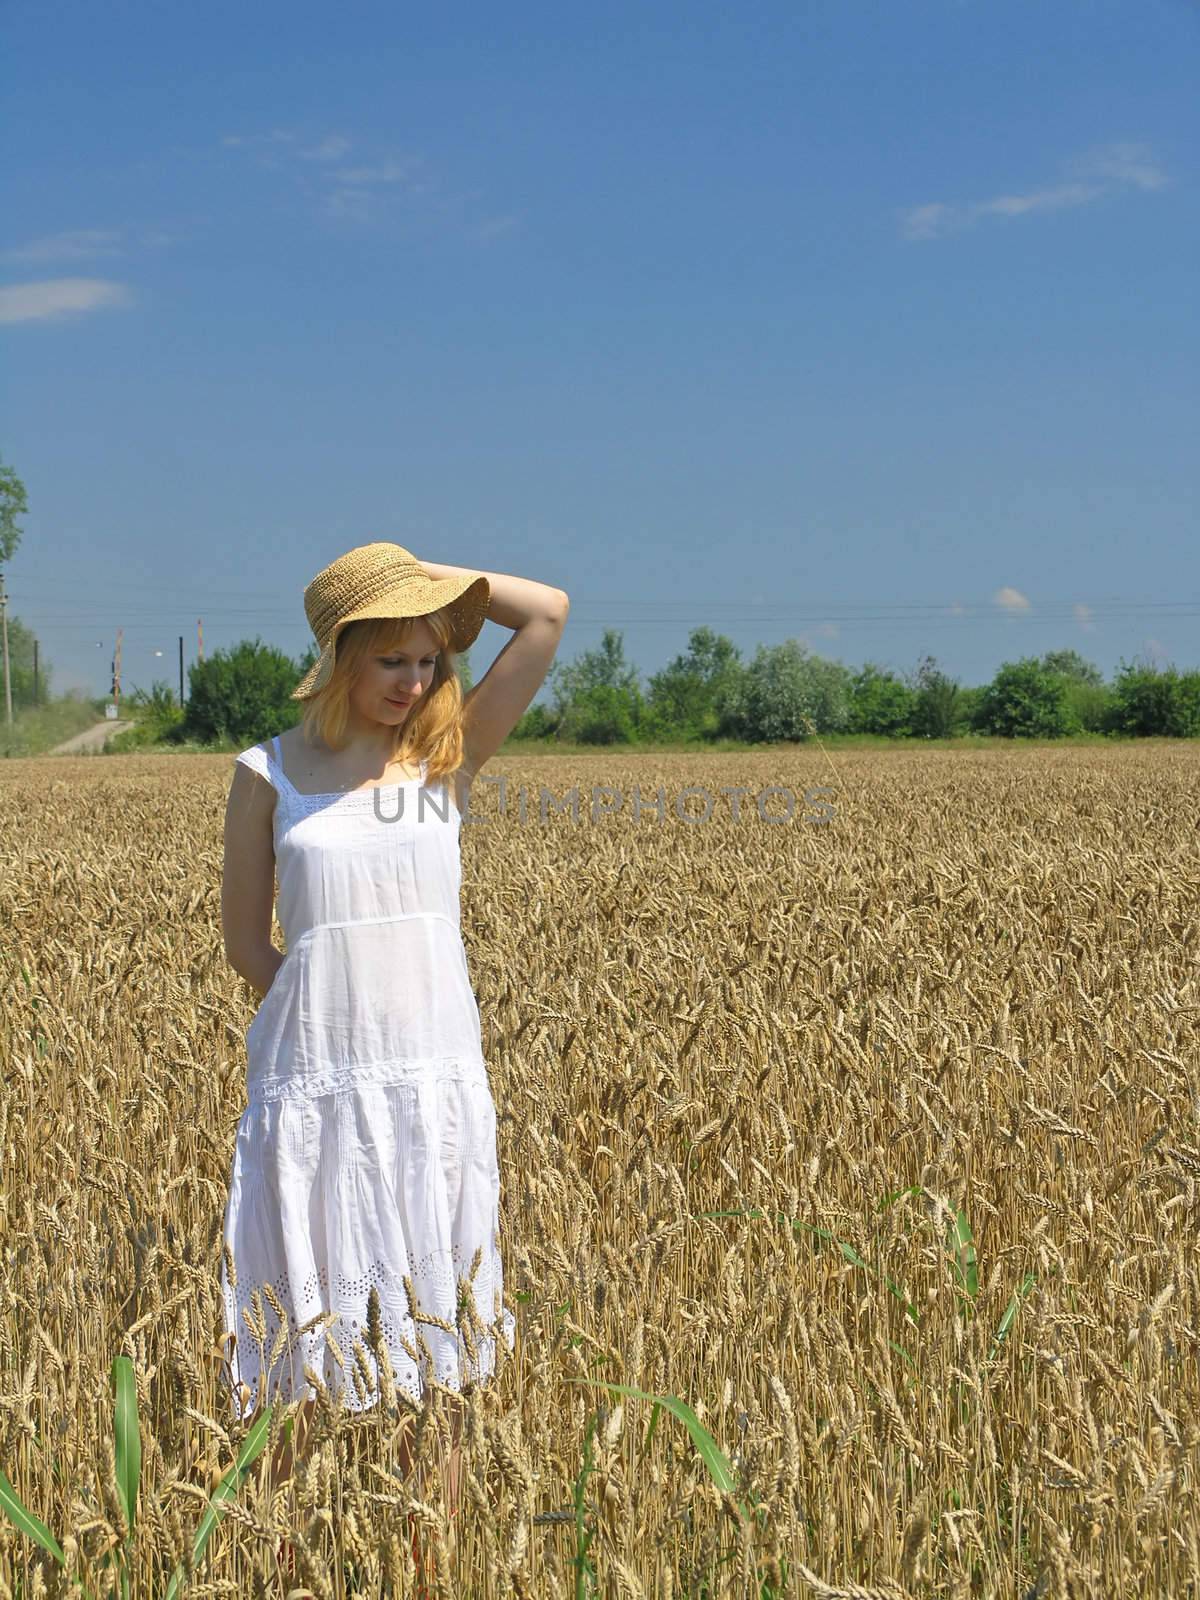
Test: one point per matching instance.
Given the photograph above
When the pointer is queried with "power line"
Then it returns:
(721, 617)
(212, 601)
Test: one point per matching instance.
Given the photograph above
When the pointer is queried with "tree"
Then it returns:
(13, 504)
(1148, 701)
(1087, 700)
(242, 694)
(936, 710)
(786, 693)
(1025, 700)
(538, 722)
(605, 667)
(1070, 664)
(685, 697)
(20, 665)
(602, 714)
(464, 671)
(596, 696)
(882, 703)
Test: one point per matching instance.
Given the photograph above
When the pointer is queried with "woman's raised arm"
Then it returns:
(537, 613)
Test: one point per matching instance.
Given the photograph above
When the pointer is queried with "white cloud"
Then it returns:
(926, 222)
(264, 147)
(1096, 173)
(372, 189)
(494, 226)
(276, 136)
(355, 203)
(75, 245)
(1058, 197)
(83, 244)
(1124, 164)
(1083, 616)
(58, 297)
(391, 171)
(331, 148)
(1010, 600)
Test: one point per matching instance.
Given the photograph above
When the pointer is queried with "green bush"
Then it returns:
(938, 702)
(786, 693)
(1089, 705)
(603, 714)
(241, 695)
(158, 718)
(967, 708)
(686, 698)
(881, 703)
(596, 698)
(539, 722)
(1024, 700)
(1071, 665)
(1153, 702)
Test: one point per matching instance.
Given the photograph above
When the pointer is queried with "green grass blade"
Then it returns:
(1010, 1314)
(128, 1441)
(654, 1416)
(962, 1253)
(32, 1527)
(849, 1253)
(889, 1200)
(714, 1458)
(252, 1447)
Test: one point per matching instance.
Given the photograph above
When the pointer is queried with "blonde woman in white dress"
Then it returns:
(367, 1149)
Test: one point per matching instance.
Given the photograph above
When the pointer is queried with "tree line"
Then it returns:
(785, 692)
(708, 692)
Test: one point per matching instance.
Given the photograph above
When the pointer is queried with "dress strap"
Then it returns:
(257, 759)
(285, 783)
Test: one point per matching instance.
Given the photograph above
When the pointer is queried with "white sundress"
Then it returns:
(367, 1149)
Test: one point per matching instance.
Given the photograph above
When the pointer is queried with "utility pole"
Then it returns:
(116, 680)
(7, 676)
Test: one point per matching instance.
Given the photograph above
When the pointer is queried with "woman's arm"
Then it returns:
(513, 601)
(537, 613)
(248, 879)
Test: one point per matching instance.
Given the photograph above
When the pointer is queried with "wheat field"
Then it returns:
(874, 1140)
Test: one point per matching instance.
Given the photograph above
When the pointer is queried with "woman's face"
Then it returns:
(402, 674)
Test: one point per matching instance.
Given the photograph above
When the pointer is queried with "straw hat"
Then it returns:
(384, 580)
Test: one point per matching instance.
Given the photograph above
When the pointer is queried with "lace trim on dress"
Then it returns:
(268, 767)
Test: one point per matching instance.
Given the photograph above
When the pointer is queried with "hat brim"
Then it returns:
(466, 599)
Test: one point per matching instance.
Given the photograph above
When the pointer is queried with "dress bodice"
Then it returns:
(375, 971)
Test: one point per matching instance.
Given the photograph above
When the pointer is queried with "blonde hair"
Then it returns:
(433, 731)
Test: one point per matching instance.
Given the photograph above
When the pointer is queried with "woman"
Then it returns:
(367, 1150)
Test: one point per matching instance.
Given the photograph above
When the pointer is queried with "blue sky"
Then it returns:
(868, 324)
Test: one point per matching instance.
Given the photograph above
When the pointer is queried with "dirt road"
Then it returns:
(93, 738)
